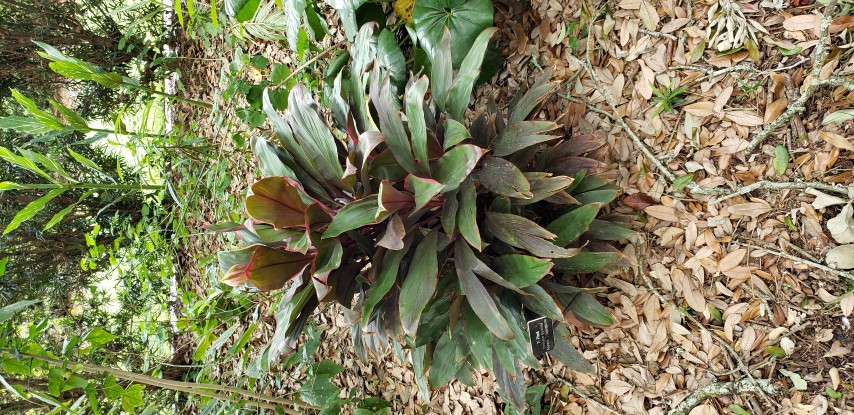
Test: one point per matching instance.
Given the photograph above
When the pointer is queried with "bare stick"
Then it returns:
(657, 34)
(722, 389)
(838, 273)
(799, 105)
(766, 184)
(584, 396)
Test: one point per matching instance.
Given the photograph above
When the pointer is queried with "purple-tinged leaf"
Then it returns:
(420, 283)
(477, 296)
(275, 200)
(504, 178)
(465, 256)
(388, 264)
(417, 125)
(352, 216)
(392, 238)
(235, 276)
(587, 310)
(271, 268)
(522, 134)
(449, 212)
(532, 98)
(390, 123)
(571, 225)
(479, 338)
(391, 200)
(545, 187)
(523, 233)
(567, 354)
(467, 215)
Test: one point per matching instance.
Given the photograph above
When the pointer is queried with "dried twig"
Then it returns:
(721, 389)
(584, 396)
(799, 105)
(766, 184)
(657, 34)
(772, 251)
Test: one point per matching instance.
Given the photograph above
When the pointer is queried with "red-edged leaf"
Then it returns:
(354, 215)
(271, 268)
(275, 200)
(235, 276)
(638, 201)
(503, 177)
(390, 122)
(522, 134)
(420, 283)
(392, 200)
(456, 164)
(477, 296)
(424, 189)
(467, 215)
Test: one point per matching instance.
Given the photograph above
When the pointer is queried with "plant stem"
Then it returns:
(310, 61)
(94, 186)
(201, 104)
(107, 131)
(186, 387)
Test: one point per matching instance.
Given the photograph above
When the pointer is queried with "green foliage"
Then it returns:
(444, 208)
(666, 98)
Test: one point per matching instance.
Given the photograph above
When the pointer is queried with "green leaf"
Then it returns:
(85, 161)
(479, 338)
(838, 117)
(567, 354)
(389, 268)
(469, 260)
(424, 189)
(441, 70)
(682, 181)
(97, 337)
(540, 302)
(781, 159)
(354, 215)
(23, 162)
(275, 200)
(58, 216)
(415, 116)
(467, 215)
(532, 98)
(460, 94)
(318, 389)
(271, 268)
(75, 121)
(46, 162)
(522, 134)
(49, 120)
(390, 123)
(314, 135)
(55, 379)
(10, 186)
(420, 283)
(504, 178)
(241, 10)
(10, 310)
(832, 393)
(132, 398)
(3, 263)
(456, 164)
(587, 262)
(603, 196)
(31, 209)
(523, 233)
(442, 366)
(607, 231)
(293, 11)
(571, 225)
(455, 133)
(112, 390)
(477, 296)
(522, 270)
(775, 351)
(512, 386)
(391, 58)
(25, 125)
(465, 19)
(587, 310)
(14, 366)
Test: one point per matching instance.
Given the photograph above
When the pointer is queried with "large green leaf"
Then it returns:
(354, 215)
(24, 125)
(314, 136)
(31, 209)
(503, 177)
(455, 132)
(390, 57)
(275, 200)
(420, 283)
(523, 233)
(390, 123)
(477, 296)
(58, 216)
(464, 18)
(75, 121)
(49, 120)
(567, 354)
(442, 366)
(294, 11)
(469, 260)
(479, 338)
(572, 224)
(522, 270)
(242, 10)
(522, 134)
(10, 310)
(271, 268)
(424, 189)
(456, 164)
(417, 126)
(587, 310)
(85, 161)
(467, 215)
(389, 265)
(587, 262)
(509, 378)
(23, 162)
(460, 94)
(441, 71)
(540, 302)
(607, 231)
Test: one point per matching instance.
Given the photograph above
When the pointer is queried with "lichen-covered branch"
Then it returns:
(713, 390)
(765, 184)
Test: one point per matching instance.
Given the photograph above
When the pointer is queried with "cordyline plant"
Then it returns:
(432, 218)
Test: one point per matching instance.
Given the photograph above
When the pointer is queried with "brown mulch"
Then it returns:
(694, 252)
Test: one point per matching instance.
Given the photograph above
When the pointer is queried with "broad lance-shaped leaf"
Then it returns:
(477, 296)
(523, 233)
(587, 262)
(540, 302)
(607, 231)
(391, 200)
(75, 121)
(504, 178)
(424, 189)
(522, 134)
(420, 283)
(441, 74)
(390, 123)
(533, 97)
(587, 310)
(415, 116)
(389, 263)
(58, 216)
(271, 268)
(23, 162)
(454, 133)
(314, 135)
(467, 215)
(31, 209)
(462, 19)
(567, 354)
(479, 338)
(49, 120)
(465, 256)
(24, 125)
(458, 98)
(456, 164)
(275, 200)
(522, 270)
(354, 215)
(571, 225)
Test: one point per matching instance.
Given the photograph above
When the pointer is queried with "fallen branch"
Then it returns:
(584, 396)
(781, 254)
(799, 105)
(723, 389)
(765, 184)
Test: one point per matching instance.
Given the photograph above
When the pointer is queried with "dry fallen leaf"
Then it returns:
(638, 201)
(846, 303)
(775, 109)
(700, 109)
(841, 227)
(841, 257)
(662, 212)
(745, 118)
(823, 200)
(731, 260)
(704, 409)
(836, 140)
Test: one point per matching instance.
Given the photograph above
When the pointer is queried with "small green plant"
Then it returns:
(666, 98)
(748, 89)
(434, 221)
